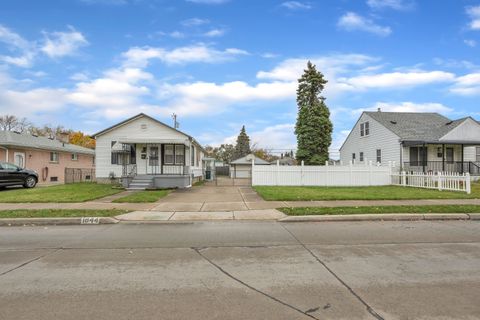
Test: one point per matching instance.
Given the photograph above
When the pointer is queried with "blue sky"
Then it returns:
(219, 64)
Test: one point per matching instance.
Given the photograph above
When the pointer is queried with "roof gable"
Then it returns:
(466, 129)
(248, 160)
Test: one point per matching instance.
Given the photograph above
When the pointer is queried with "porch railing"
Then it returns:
(129, 170)
(439, 166)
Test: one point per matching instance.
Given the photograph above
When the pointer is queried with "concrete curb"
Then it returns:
(382, 217)
(11, 222)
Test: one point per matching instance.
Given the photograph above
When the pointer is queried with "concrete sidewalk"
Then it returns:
(232, 206)
(270, 214)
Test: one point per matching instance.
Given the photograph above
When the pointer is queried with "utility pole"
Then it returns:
(176, 124)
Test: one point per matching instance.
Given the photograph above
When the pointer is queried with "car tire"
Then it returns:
(30, 182)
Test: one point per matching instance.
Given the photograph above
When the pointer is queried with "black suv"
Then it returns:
(12, 175)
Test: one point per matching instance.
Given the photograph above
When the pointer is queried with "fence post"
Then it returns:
(278, 171)
(439, 181)
(404, 178)
(253, 171)
(301, 173)
(468, 183)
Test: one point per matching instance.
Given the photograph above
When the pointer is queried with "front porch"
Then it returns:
(440, 157)
(157, 165)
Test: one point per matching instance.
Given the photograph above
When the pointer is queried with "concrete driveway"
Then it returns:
(214, 198)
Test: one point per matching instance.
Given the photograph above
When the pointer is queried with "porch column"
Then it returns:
(424, 160)
(463, 170)
(443, 157)
(401, 156)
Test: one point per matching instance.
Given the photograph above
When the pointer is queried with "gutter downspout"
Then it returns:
(6, 153)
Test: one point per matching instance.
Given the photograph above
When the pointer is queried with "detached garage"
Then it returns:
(242, 167)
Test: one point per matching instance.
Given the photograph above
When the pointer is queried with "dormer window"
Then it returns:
(364, 129)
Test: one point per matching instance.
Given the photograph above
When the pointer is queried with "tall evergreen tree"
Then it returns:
(242, 148)
(313, 127)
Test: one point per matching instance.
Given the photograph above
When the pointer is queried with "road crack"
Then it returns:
(30, 261)
(199, 251)
(356, 295)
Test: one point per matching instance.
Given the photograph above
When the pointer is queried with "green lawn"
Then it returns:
(144, 196)
(55, 213)
(359, 193)
(78, 192)
(382, 209)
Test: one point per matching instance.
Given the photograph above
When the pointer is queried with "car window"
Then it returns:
(9, 166)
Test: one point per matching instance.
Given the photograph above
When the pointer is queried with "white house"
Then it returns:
(146, 153)
(421, 142)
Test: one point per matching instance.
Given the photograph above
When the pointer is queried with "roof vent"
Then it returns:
(448, 123)
(393, 122)
(379, 109)
(17, 132)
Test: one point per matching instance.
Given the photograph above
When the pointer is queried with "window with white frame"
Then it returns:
(53, 156)
(192, 156)
(478, 154)
(74, 156)
(180, 154)
(169, 154)
(361, 156)
(364, 129)
(354, 157)
(379, 155)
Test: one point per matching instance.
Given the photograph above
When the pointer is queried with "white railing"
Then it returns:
(197, 172)
(328, 175)
(439, 181)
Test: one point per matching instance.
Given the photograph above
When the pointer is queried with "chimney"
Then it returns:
(379, 110)
(63, 137)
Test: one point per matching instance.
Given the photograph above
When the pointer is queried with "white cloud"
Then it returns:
(467, 85)
(140, 56)
(474, 14)
(280, 137)
(391, 4)
(269, 55)
(409, 107)
(177, 34)
(215, 33)
(17, 44)
(470, 42)
(351, 21)
(208, 1)
(296, 5)
(397, 79)
(194, 22)
(59, 44)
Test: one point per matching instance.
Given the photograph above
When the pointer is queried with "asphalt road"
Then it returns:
(242, 270)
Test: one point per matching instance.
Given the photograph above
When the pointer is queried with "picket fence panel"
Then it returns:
(345, 175)
(441, 181)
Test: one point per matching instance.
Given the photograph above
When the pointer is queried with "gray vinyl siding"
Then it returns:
(379, 138)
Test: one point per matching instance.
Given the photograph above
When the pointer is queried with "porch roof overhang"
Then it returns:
(438, 142)
(155, 141)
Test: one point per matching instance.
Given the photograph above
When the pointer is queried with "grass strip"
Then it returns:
(143, 196)
(59, 213)
(381, 210)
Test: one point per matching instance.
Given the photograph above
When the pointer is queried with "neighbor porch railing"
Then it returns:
(443, 166)
(439, 180)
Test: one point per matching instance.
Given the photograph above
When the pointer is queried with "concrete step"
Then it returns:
(135, 188)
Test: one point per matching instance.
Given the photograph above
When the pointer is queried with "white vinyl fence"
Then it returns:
(439, 181)
(328, 175)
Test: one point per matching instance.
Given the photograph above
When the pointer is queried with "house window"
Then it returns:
(361, 156)
(53, 179)
(353, 157)
(379, 155)
(449, 155)
(364, 129)
(169, 154)
(478, 154)
(418, 156)
(74, 156)
(54, 157)
(180, 154)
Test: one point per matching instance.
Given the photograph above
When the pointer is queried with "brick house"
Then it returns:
(48, 157)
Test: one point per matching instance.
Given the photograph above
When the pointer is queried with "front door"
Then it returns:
(153, 166)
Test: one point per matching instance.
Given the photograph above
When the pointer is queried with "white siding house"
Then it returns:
(146, 149)
(427, 142)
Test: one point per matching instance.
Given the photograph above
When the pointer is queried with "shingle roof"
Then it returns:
(248, 160)
(9, 138)
(421, 126)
